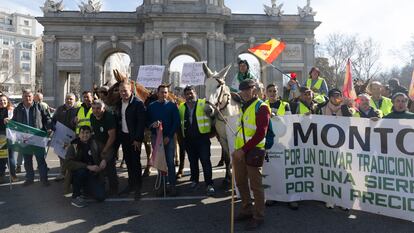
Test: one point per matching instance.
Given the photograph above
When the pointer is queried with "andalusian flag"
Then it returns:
(348, 88)
(268, 51)
(26, 139)
(411, 92)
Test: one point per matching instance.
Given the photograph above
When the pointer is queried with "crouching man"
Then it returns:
(85, 168)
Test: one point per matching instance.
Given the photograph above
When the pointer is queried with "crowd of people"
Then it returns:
(101, 130)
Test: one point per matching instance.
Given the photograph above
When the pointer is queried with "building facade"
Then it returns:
(160, 30)
(17, 52)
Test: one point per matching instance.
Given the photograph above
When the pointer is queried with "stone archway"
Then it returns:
(177, 57)
(103, 53)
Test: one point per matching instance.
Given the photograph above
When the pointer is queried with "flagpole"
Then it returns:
(10, 175)
(279, 70)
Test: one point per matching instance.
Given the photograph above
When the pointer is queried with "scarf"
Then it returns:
(332, 110)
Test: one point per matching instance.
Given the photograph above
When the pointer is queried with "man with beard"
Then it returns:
(195, 127)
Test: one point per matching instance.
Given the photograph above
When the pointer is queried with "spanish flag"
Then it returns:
(348, 88)
(411, 91)
(268, 51)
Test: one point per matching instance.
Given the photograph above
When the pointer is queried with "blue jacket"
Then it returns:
(167, 113)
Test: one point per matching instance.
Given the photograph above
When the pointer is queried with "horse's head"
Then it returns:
(216, 89)
(113, 96)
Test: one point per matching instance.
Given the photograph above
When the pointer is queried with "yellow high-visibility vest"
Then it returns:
(281, 111)
(82, 119)
(318, 97)
(385, 108)
(203, 121)
(249, 122)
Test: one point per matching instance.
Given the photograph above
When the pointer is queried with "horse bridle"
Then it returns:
(220, 98)
(217, 106)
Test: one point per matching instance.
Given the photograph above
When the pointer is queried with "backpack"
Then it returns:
(269, 134)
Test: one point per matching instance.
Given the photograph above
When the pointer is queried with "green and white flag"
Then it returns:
(26, 139)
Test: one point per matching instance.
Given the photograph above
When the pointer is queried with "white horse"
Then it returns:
(220, 106)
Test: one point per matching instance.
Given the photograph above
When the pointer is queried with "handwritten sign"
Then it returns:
(192, 74)
(150, 75)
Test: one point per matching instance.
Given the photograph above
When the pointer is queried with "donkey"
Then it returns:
(220, 106)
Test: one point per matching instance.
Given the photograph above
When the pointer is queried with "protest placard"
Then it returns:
(61, 139)
(150, 75)
(192, 74)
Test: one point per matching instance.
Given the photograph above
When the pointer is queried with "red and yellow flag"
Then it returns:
(268, 51)
(411, 91)
(348, 88)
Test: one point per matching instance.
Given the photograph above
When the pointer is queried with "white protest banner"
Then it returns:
(192, 74)
(61, 139)
(150, 75)
(350, 162)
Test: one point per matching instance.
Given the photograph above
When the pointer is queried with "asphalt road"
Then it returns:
(39, 209)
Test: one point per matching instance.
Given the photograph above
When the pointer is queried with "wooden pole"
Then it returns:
(232, 200)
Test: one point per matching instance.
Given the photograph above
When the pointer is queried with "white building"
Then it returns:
(17, 52)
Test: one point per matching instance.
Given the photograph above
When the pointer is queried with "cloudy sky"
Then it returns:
(388, 22)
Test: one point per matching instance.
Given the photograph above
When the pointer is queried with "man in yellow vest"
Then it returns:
(85, 111)
(196, 127)
(317, 84)
(378, 101)
(253, 124)
(277, 106)
(306, 105)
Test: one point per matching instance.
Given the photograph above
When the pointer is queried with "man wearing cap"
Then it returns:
(395, 87)
(306, 105)
(66, 115)
(378, 101)
(400, 106)
(337, 105)
(253, 124)
(317, 84)
(243, 74)
(292, 88)
(195, 128)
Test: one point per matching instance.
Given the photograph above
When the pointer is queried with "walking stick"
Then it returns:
(232, 199)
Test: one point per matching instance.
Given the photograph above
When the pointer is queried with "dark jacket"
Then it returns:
(73, 160)
(135, 118)
(3, 114)
(65, 116)
(38, 116)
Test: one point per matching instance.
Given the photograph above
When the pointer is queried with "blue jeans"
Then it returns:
(199, 149)
(19, 159)
(169, 157)
(41, 163)
(4, 162)
(83, 179)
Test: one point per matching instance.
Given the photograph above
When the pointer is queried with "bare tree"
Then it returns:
(339, 47)
(366, 63)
